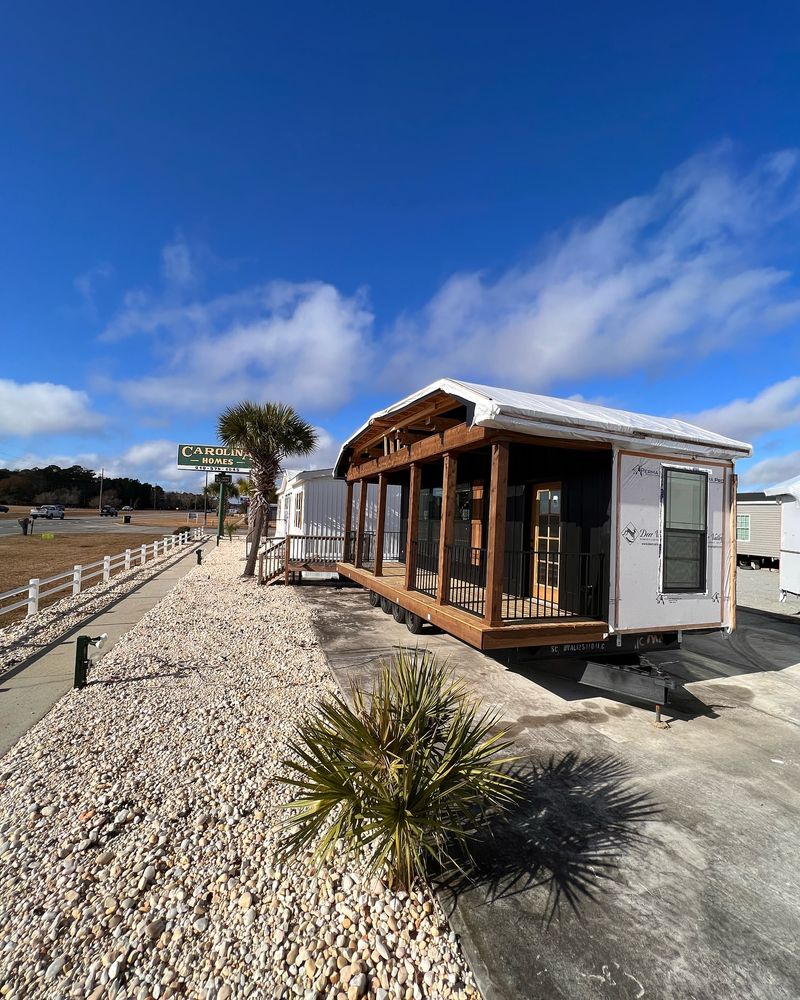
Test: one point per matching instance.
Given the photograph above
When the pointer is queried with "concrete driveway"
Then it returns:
(645, 862)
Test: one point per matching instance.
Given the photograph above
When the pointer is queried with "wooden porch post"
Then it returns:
(496, 544)
(447, 528)
(362, 514)
(348, 519)
(379, 523)
(415, 483)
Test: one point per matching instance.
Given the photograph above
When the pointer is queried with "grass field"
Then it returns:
(22, 558)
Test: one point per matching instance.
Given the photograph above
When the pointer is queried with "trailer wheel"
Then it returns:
(374, 599)
(755, 564)
(398, 613)
(413, 623)
(386, 605)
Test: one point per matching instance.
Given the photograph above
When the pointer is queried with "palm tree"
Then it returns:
(269, 433)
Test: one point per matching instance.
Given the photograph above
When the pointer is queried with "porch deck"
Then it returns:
(468, 627)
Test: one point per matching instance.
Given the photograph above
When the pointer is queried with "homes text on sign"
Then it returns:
(213, 458)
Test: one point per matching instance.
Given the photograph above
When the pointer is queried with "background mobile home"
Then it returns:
(758, 530)
(788, 493)
(311, 506)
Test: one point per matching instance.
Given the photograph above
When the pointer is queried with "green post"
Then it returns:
(221, 514)
(81, 661)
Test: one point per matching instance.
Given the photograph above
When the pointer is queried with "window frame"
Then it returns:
(703, 587)
(298, 509)
(747, 517)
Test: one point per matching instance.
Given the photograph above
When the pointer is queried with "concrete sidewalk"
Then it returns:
(29, 690)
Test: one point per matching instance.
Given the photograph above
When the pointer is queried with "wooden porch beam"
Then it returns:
(362, 515)
(447, 526)
(379, 525)
(496, 542)
(412, 530)
(456, 438)
(348, 520)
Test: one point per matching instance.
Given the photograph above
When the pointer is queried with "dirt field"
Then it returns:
(22, 558)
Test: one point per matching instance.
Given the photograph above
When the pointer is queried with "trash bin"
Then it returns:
(126, 519)
(24, 522)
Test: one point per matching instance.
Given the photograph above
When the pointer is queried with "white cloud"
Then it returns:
(681, 270)
(675, 271)
(774, 408)
(86, 285)
(301, 343)
(771, 471)
(29, 408)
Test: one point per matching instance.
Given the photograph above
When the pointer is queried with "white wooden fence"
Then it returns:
(75, 579)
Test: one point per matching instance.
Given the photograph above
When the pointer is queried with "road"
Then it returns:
(91, 525)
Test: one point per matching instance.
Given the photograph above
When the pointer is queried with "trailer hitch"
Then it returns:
(645, 682)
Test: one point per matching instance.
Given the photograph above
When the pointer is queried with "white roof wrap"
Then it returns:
(790, 487)
(547, 416)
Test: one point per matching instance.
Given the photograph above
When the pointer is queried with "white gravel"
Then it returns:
(137, 826)
(27, 636)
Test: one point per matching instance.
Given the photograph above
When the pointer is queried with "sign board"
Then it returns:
(213, 458)
(223, 477)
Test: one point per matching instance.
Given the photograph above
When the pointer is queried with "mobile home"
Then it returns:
(788, 493)
(758, 530)
(311, 518)
(529, 521)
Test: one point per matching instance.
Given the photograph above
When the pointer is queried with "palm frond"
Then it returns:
(405, 773)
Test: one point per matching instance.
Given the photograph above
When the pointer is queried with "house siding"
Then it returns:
(765, 530)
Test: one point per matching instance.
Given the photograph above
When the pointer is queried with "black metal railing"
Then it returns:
(368, 549)
(426, 563)
(391, 546)
(466, 569)
(552, 584)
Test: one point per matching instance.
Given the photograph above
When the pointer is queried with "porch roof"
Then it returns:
(548, 416)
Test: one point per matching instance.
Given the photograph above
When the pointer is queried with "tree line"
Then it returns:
(77, 486)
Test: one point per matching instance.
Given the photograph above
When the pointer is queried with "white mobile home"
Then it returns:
(788, 494)
(758, 530)
(311, 508)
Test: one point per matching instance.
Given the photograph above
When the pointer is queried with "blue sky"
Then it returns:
(335, 204)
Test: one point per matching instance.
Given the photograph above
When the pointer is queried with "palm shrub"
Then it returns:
(269, 433)
(405, 773)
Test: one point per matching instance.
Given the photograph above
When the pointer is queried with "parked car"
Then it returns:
(127, 507)
(49, 511)
(108, 511)
(3, 508)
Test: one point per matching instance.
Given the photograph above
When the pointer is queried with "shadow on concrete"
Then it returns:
(576, 818)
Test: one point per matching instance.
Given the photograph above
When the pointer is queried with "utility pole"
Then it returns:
(205, 502)
(100, 508)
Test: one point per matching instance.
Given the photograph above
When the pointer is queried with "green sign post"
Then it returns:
(222, 479)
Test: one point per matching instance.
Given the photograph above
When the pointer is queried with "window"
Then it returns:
(298, 510)
(742, 527)
(685, 531)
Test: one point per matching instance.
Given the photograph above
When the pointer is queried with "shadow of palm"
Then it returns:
(575, 820)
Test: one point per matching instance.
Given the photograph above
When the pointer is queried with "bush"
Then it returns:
(230, 526)
(407, 774)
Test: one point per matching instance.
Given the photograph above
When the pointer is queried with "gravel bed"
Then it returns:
(27, 636)
(760, 589)
(138, 826)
